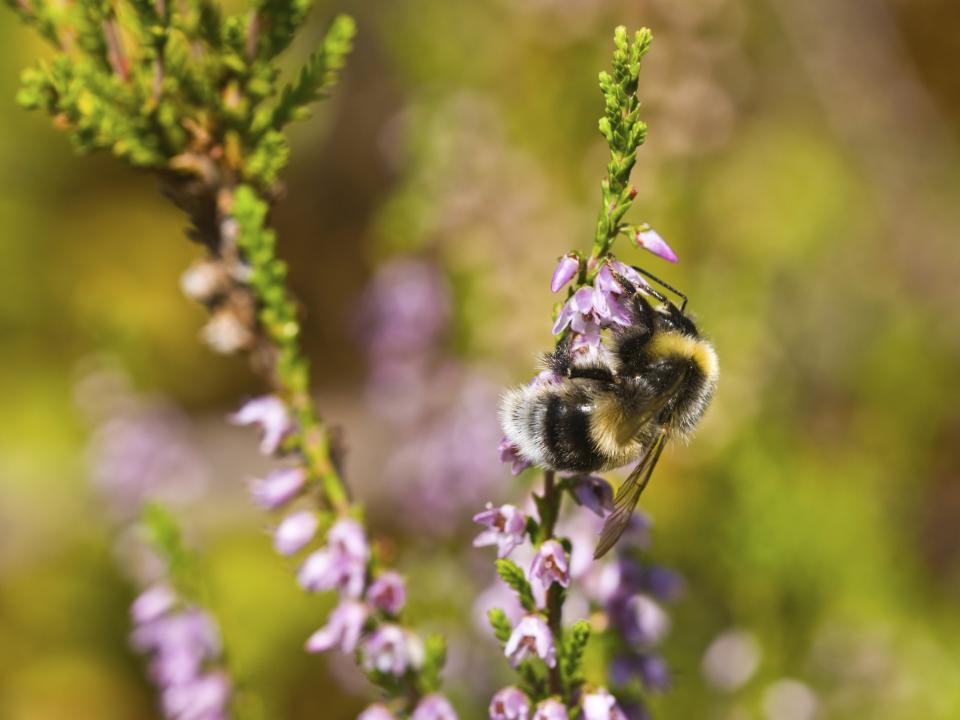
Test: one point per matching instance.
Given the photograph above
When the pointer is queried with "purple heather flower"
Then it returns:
(434, 707)
(601, 705)
(550, 565)
(205, 698)
(505, 528)
(342, 630)
(270, 413)
(551, 709)
(341, 564)
(279, 487)
(593, 493)
(606, 298)
(152, 603)
(531, 636)
(510, 453)
(388, 592)
(295, 531)
(391, 649)
(649, 239)
(643, 622)
(629, 273)
(509, 704)
(567, 267)
(377, 711)
(180, 644)
(578, 314)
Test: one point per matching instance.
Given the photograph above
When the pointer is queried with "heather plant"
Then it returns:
(548, 655)
(195, 95)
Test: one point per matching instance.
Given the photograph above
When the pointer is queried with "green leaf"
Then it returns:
(574, 644)
(500, 624)
(435, 655)
(513, 576)
(317, 75)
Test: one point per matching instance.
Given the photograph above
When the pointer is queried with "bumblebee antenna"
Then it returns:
(671, 288)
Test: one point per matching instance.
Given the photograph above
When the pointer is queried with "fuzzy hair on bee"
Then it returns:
(650, 383)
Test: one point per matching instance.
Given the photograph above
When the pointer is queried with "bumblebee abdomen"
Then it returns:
(550, 425)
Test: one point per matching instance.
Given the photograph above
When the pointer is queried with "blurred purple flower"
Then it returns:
(145, 451)
(551, 709)
(152, 603)
(593, 493)
(377, 711)
(391, 649)
(279, 487)
(663, 583)
(651, 669)
(550, 565)
(510, 453)
(404, 309)
(434, 707)
(295, 531)
(270, 413)
(510, 703)
(204, 698)
(505, 528)
(601, 705)
(341, 564)
(566, 269)
(388, 592)
(531, 636)
(642, 621)
(649, 239)
(342, 630)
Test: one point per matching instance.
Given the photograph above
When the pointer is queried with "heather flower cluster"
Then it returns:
(366, 619)
(183, 645)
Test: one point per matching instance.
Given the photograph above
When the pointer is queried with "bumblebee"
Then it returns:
(650, 383)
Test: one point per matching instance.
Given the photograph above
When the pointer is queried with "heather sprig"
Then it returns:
(195, 94)
(547, 655)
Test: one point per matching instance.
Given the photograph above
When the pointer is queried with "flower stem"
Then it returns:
(552, 496)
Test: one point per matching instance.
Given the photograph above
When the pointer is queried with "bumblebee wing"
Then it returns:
(627, 497)
(650, 408)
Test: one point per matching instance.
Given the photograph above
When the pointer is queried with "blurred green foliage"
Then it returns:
(818, 507)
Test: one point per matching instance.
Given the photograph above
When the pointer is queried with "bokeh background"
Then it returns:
(802, 161)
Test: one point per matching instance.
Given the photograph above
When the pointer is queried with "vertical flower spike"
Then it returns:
(271, 415)
(550, 565)
(278, 488)
(342, 630)
(531, 636)
(295, 532)
(505, 528)
(650, 240)
(566, 270)
(434, 707)
(509, 704)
